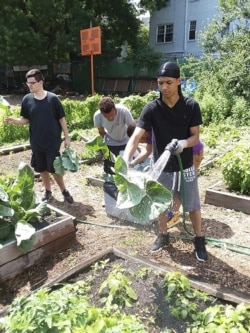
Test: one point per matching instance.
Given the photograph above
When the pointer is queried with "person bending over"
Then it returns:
(112, 121)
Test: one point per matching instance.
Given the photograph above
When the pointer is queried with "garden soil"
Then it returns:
(224, 269)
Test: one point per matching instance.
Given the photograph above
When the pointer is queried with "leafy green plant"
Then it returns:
(119, 290)
(222, 318)
(99, 266)
(135, 104)
(183, 297)
(239, 114)
(145, 198)
(18, 206)
(11, 133)
(143, 272)
(66, 309)
(235, 169)
(68, 160)
(97, 144)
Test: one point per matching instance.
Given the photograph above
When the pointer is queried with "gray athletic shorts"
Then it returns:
(173, 181)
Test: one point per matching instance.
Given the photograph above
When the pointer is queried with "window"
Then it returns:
(192, 29)
(165, 33)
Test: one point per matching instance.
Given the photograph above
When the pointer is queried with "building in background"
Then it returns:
(174, 30)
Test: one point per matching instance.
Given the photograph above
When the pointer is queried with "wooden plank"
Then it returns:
(14, 149)
(95, 181)
(18, 265)
(227, 200)
(46, 235)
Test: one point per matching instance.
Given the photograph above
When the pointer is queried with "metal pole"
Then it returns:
(92, 74)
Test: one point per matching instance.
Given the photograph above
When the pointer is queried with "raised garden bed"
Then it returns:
(103, 277)
(117, 254)
(217, 196)
(55, 235)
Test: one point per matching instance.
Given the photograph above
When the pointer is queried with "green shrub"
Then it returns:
(12, 133)
(135, 103)
(240, 111)
(208, 106)
(235, 169)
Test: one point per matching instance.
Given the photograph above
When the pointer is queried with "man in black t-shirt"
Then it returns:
(44, 113)
(173, 116)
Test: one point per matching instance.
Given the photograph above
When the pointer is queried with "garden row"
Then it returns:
(221, 139)
(108, 296)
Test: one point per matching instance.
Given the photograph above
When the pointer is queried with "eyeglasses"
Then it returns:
(31, 83)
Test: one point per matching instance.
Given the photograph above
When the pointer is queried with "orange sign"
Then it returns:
(90, 41)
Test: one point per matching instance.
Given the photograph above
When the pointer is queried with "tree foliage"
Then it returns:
(41, 32)
(152, 6)
(223, 72)
(142, 54)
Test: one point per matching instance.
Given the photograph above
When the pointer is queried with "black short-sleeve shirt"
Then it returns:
(171, 123)
(44, 126)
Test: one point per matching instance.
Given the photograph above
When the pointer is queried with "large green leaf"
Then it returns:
(25, 234)
(69, 160)
(5, 208)
(130, 193)
(37, 212)
(18, 204)
(145, 197)
(3, 195)
(58, 166)
(22, 189)
(98, 144)
(158, 199)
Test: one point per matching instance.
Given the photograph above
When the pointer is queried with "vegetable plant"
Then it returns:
(145, 197)
(98, 144)
(119, 290)
(18, 206)
(184, 298)
(63, 310)
(68, 307)
(235, 169)
(68, 160)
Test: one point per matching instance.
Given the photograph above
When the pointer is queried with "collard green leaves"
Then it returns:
(18, 206)
(145, 197)
(98, 144)
(68, 160)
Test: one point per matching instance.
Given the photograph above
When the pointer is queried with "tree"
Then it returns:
(152, 6)
(223, 72)
(229, 37)
(143, 55)
(41, 32)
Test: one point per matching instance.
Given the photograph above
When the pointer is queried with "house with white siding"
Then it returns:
(174, 30)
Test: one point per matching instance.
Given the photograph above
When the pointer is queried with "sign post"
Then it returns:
(90, 45)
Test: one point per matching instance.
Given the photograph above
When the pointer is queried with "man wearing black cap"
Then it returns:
(173, 116)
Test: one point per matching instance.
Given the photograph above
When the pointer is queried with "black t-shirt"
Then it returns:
(44, 126)
(171, 123)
